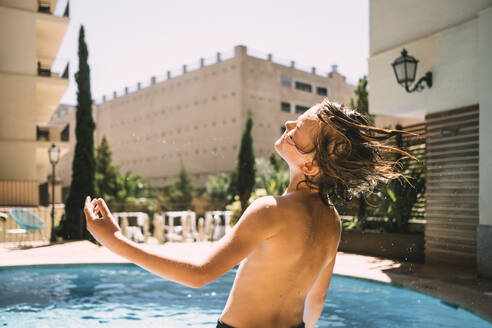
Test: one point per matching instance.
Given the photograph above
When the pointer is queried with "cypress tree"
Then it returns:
(73, 224)
(106, 172)
(246, 165)
(362, 104)
(181, 191)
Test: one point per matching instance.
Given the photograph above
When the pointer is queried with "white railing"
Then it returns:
(182, 226)
(136, 230)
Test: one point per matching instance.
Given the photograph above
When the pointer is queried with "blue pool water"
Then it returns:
(128, 296)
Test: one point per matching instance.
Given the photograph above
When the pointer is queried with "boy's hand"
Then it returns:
(103, 228)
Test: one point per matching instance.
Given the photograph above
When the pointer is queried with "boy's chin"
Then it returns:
(278, 150)
(277, 147)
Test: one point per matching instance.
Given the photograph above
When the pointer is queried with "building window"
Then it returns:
(322, 91)
(303, 86)
(282, 129)
(285, 107)
(301, 109)
(286, 81)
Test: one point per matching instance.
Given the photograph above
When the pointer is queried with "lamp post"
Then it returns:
(54, 155)
(405, 68)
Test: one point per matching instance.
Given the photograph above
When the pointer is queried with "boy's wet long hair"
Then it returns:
(350, 154)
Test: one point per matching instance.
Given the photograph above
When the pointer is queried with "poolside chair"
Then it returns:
(217, 224)
(174, 231)
(134, 225)
(159, 226)
(218, 227)
(190, 233)
(201, 229)
(27, 221)
(228, 227)
(210, 226)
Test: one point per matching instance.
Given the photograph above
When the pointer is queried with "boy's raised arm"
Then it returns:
(253, 227)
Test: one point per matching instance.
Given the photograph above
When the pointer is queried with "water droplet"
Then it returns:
(189, 295)
(213, 294)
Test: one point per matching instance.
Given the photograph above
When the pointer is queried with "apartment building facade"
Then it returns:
(32, 83)
(197, 117)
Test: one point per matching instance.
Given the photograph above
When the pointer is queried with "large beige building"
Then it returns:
(32, 83)
(453, 40)
(197, 114)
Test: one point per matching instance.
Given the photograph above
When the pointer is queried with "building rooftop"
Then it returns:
(220, 57)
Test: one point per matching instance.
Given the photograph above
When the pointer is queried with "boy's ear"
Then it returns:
(310, 168)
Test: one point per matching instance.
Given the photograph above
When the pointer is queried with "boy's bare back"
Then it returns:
(272, 283)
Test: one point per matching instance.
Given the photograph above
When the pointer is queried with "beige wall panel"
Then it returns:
(19, 192)
(31, 5)
(18, 160)
(17, 107)
(50, 31)
(18, 39)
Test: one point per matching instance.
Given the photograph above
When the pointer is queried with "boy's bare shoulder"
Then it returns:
(269, 207)
(273, 204)
(273, 207)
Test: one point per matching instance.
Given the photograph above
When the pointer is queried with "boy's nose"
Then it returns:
(288, 125)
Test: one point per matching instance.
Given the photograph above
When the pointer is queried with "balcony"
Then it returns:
(52, 133)
(51, 26)
(51, 84)
(50, 7)
(53, 68)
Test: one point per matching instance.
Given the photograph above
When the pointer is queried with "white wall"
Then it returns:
(412, 20)
(485, 63)
(451, 55)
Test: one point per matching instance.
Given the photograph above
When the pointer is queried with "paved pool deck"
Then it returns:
(457, 286)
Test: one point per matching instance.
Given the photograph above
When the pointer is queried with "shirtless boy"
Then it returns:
(285, 245)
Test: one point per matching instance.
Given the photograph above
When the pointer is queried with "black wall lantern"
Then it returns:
(405, 68)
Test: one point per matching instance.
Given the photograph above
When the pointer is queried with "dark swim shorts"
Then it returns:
(220, 324)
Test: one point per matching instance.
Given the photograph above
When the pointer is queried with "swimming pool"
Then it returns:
(128, 296)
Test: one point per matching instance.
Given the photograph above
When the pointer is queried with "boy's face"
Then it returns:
(299, 133)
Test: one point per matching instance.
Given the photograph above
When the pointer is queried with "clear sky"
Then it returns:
(129, 41)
